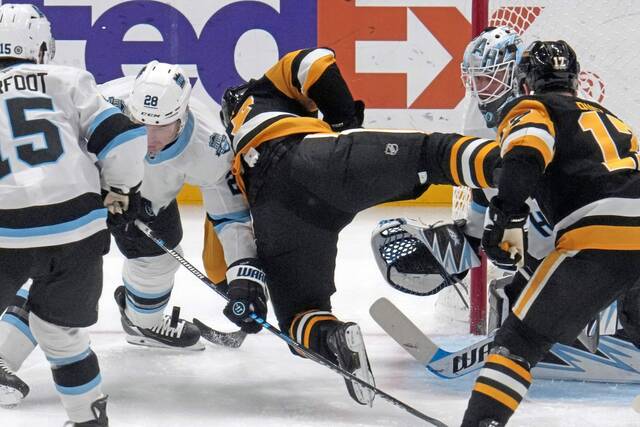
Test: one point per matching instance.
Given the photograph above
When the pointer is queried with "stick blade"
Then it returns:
(403, 331)
(226, 339)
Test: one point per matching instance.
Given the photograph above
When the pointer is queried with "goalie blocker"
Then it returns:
(420, 259)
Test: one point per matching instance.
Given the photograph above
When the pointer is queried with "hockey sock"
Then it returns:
(311, 328)
(74, 365)
(145, 309)
(499, 388)
(16, 339)
(148, 282)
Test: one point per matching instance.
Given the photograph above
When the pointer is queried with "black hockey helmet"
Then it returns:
(549, 66)
(232, 100)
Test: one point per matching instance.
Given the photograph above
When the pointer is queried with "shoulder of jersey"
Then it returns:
(117, 88)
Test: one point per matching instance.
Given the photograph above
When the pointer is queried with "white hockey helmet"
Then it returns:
(25, 33)
(488, 68)
(160, 94)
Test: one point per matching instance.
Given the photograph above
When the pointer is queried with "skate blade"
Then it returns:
(355, 343)
(9, 397)
(150, 342)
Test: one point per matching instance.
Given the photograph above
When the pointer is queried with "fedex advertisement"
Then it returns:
(400, 56)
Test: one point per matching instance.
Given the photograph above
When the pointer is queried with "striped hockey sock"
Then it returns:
(16, 339)
(78, 382)
(310, 328)
(499, 389)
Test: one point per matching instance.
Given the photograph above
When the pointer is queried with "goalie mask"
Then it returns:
(421, 260)
(488, 69)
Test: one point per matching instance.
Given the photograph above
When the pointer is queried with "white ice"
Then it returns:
(262, 384)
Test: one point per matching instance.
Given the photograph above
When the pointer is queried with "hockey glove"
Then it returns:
(505, 239)
(123, 207)
(247, 294)
(354, 122)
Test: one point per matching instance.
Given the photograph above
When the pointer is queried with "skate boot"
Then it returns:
(172, 332)
(99, 409)
(12, 388)
(347, 344)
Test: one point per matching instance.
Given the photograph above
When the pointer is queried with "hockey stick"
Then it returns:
(309, 354)
(226, 339)
(441, 362)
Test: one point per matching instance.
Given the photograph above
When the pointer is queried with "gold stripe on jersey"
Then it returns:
(480, 160)
(606, 237)
(497, 395)
(528, 124)
(283, 127)
(453, 160)
(538, 282)
(280, 75)
(312, 66)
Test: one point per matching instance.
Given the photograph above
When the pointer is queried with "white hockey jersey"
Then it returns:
(201, 156)
(58, 139)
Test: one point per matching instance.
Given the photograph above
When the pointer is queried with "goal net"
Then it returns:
(605, 35)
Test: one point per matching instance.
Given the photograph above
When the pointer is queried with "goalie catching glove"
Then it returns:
(421, 260)
(505, 235)
(247, 294)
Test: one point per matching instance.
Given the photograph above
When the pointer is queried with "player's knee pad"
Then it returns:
(311, 328)
(522, 340)
(59, 342)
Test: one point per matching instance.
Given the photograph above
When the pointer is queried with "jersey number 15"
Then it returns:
(22, 127)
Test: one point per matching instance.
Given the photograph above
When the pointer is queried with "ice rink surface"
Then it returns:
(262, 384)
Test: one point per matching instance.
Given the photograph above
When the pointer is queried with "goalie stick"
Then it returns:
(309, 354)
(615, 359)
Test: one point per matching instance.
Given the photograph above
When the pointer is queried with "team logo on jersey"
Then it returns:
(18, 50)
(391, 149)
(220, 143)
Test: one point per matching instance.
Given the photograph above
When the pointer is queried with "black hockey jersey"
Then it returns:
(580, 162)
(285, 101)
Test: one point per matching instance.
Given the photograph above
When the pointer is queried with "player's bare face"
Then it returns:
(159, 137)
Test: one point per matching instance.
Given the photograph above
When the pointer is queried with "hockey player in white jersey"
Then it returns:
(62, 146)
(186, 144)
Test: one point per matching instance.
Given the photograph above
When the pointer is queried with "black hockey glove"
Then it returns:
(247, 294)
(354, 122)
(123, 207)
(505, 238)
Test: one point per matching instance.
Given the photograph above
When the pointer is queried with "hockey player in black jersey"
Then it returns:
(580, 162)
(306, 178)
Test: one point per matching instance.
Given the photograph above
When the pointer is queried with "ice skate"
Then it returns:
(171, 332)
(99, 409)
(12, 388)
(347, 344)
